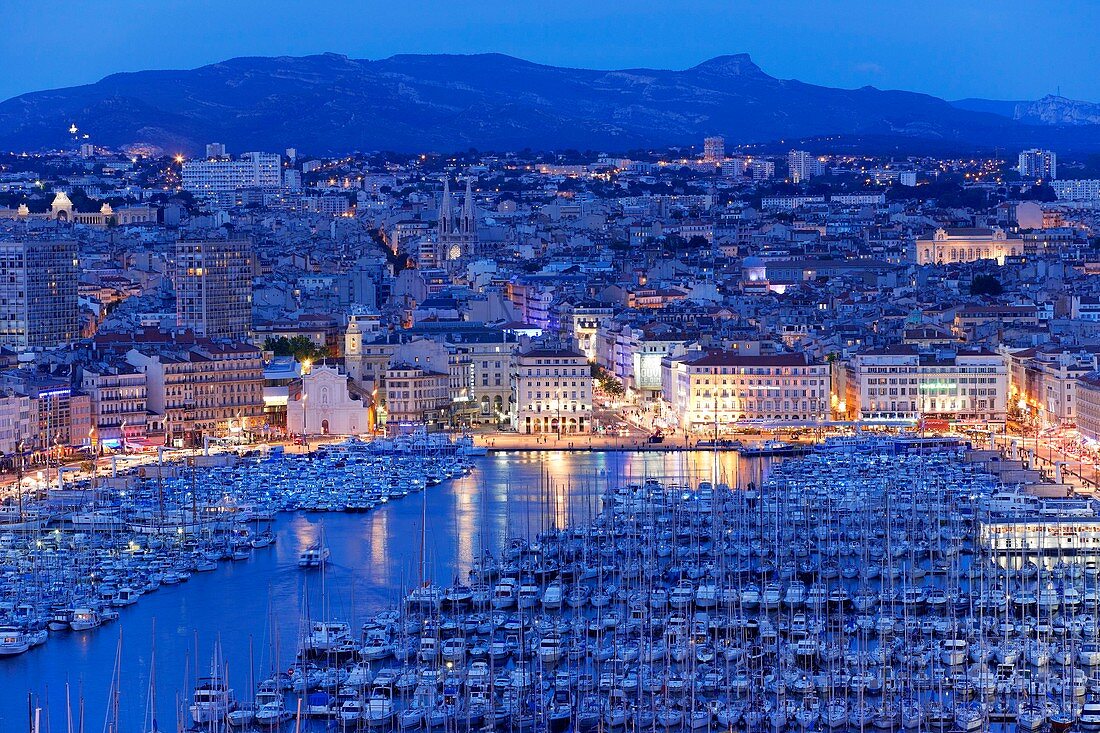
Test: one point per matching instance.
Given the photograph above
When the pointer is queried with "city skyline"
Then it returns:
(866, 44)
(548, 399)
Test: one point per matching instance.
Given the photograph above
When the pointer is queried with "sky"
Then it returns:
(997, 49)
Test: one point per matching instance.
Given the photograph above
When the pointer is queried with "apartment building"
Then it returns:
(415, 395)
(250, 170)
(38, 293)
(714, 390)
(213, 280)
(201, 389)
(119, 400)
(551, 391)
(1043, 381)
(904, 383)
(1088, 406)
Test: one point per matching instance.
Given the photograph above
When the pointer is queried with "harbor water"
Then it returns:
(255, 609)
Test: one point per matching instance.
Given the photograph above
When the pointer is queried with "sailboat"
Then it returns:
(427, 596)
(212, 700)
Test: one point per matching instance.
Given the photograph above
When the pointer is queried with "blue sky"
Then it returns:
(1006, 49)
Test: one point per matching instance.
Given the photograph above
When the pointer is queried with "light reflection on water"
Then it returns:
(262, 602)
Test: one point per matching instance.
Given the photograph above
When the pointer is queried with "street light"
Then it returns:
(305, 420)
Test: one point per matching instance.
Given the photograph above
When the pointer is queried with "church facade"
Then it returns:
(328, 403)
(456, 238)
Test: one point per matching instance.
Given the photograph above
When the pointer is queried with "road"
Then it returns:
(1080, 472)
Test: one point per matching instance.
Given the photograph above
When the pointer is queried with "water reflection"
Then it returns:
(262, 602)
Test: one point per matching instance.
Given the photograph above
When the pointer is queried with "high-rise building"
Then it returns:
(762, 170)
(1039, 164)
(292, 180)
(803, 166)
(250, 170)
(38, 293)
(714, 149)
(213, 279)
(215, 150)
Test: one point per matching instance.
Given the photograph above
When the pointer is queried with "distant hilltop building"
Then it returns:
(1077, 190)
(1039, 164)
(946, 246)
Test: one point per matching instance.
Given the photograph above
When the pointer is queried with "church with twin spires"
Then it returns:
(456, 238)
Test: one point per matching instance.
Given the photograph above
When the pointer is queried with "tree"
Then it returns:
(300, 347)
(985, 285)
(1040, 192)
(607, 383)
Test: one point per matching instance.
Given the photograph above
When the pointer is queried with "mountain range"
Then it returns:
(330, 103)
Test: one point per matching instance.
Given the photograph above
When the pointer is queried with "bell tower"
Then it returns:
(353, 350)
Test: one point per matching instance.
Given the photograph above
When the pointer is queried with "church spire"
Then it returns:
(469, 217)
(446, 217)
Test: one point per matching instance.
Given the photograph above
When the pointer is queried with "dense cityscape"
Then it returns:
(674, 296)
(460, 393)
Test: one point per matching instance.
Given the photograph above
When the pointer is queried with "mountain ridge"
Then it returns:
(331, 103)
(1051, 110)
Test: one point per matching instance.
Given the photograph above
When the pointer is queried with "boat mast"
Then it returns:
(19, 481)
(423, 527)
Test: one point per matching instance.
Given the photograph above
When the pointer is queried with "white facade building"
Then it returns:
(328, 404)
(905, 384)
(551, 392)
(633, 356)
(250, 170)
(712, 391)
(1088, 406)
(1039, 164)
(1087, 189)
(804, 166)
